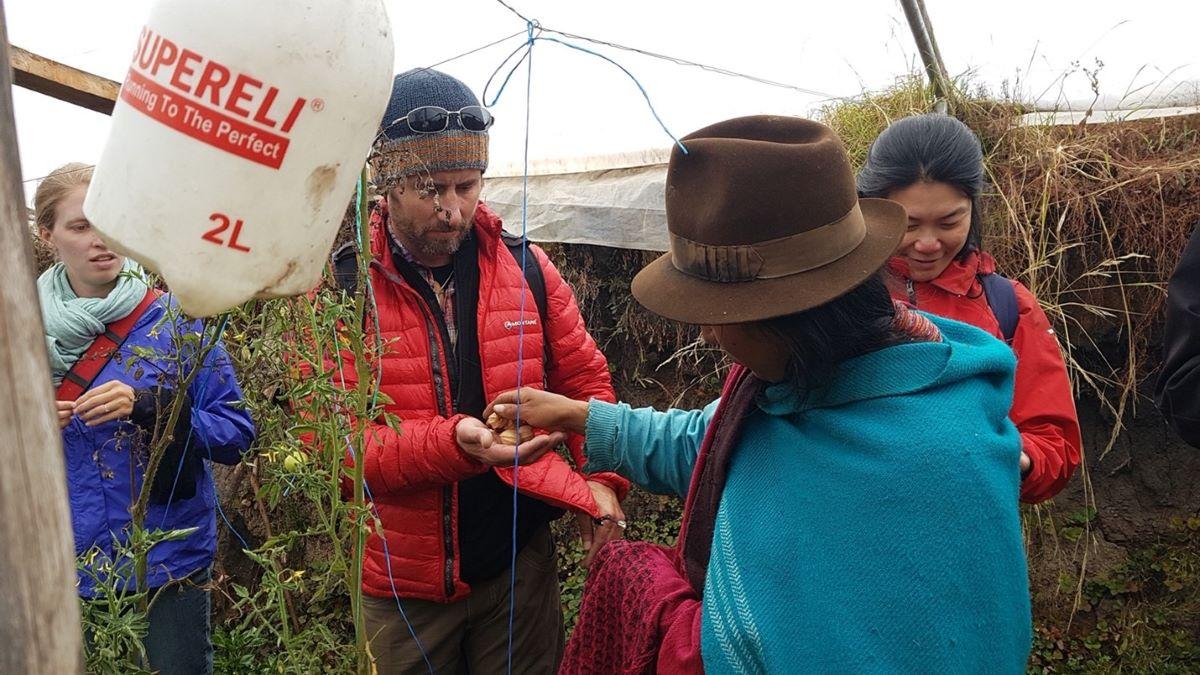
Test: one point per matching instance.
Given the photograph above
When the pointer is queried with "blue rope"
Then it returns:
(366, 488)
(221, 512)
(531, 38)
(512, 580)
(387, 554)
(387, 557)
(533, 34)
(187, 445)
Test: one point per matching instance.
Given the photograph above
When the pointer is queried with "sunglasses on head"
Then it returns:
(431, 119)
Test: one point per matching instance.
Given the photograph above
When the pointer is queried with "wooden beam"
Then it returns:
(933, 69)
(39, 609)
(937, 52)
(63, 82)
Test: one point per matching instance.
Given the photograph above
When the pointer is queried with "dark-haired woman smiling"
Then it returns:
(933, 166)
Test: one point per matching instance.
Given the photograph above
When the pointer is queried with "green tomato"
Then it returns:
(294, 460)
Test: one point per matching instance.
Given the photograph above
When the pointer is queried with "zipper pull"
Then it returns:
(912, 292)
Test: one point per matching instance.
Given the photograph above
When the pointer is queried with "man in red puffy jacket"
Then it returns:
(462, 322)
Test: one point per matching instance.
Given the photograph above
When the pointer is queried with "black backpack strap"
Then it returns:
(345, 267)
(1002, 298)
(534, 277)
(536, 280)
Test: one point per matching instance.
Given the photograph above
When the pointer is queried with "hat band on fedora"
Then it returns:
(772, 259)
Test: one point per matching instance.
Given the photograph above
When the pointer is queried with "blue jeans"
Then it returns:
(179, 640)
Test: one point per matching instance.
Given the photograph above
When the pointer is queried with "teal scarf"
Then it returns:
(72, 323)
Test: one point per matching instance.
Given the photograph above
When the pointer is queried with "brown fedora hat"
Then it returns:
(764, 221)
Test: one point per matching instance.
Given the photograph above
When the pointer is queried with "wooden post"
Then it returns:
(929, 56)
(63, 82)
(937, 52)
(39, 609)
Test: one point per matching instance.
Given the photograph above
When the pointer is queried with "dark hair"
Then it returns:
(933, 148)
(818, 339)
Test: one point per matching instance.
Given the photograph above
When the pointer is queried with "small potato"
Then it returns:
(507, 430)
(498, 423)
(511, 436)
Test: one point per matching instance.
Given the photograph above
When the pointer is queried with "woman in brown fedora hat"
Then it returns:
(850, 498)
(933, 166)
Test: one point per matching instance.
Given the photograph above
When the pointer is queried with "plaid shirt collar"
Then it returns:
(444, 294)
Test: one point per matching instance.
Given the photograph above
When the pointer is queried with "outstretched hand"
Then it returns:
(483, 444)
(541, 409)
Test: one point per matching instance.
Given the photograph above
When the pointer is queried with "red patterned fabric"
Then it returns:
(915, 325)
(412, 470)
(637, 608)
(641, 605)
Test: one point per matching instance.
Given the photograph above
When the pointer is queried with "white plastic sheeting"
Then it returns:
(1073, 117)
(616, 207)
(617, 200)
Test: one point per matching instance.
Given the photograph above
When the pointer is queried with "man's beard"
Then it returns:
(423, 245)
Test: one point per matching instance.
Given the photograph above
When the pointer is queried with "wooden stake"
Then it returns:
(929, 56)
(63, 82)
(39, 609)
(937, 52)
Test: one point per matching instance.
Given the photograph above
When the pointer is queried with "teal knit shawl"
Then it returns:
(72, 323)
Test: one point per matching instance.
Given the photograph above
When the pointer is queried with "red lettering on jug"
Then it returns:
(260, 115)
(210, 101)
(214, 235)
(146, 56)
(291, 118)
(182, 70)
(167, 52)
(214, 77)
(203, 123)
(239, 94)
(233, 240)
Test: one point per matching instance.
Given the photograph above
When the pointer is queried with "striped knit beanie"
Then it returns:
(399, 152)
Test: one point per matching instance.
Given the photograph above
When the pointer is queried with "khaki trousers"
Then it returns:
(471, 635)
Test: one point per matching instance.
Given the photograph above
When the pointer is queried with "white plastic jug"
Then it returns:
(236, 142)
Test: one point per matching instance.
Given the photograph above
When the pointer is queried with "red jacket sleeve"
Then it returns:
(1043, 406)
(577, 369)
(420, 455)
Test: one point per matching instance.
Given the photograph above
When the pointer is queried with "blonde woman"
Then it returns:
(117, 357)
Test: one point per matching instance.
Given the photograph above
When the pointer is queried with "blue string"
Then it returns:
(512, 579)
(187, 445)
(527, 46)
(387, 557)
(532, 38)
(220, 510)
(387, 554)
(533, 34)
(366, 488)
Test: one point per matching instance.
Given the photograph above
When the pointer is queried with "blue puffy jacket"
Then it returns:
(106, 463)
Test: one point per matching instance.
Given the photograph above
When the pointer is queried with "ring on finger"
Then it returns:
(602, 520)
